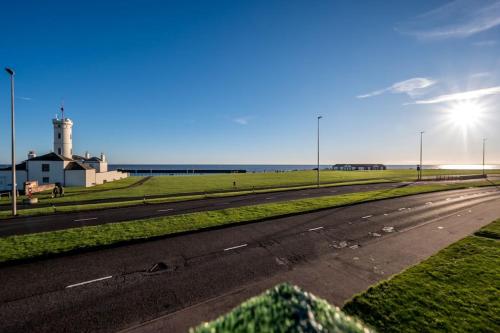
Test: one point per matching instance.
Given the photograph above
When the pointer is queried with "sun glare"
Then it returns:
(465, 114)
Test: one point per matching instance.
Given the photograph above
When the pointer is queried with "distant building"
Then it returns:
(61, 166)
(351, 167)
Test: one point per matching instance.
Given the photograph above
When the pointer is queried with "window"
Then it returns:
(58, 135)
(46, 167)
(45, 180)
(59, 151)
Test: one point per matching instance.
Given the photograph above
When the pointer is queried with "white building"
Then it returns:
(61, 166)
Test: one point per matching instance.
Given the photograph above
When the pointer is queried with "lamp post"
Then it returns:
(484, 155)
(13, 141)
(317, 174)
(420, 169)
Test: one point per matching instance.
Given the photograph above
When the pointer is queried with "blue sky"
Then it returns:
(243, 81)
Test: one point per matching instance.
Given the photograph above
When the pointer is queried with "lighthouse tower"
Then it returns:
(63, 136)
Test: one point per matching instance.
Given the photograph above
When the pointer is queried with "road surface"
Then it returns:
(186, 279)
(33, 224)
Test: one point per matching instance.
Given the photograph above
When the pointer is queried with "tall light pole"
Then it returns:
(317, 174)
(484, 154)
(420, 169)
(13, 141)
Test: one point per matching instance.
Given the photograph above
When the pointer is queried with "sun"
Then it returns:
(465, 114)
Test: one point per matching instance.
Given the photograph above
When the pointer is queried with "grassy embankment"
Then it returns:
(62, 241)
(184, 185)
(177, 188)
(456, 290)
(284, 308)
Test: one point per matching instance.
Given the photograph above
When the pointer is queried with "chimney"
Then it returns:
(103, 157)
(31, 154)
(87, 155)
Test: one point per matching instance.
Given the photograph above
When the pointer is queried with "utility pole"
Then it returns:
(484, 155)
(420, 169)
(319, 117)
(13, 142)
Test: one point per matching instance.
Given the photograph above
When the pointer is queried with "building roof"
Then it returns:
(20, 166)
(50, 157)
(77, 166)
(84, 159)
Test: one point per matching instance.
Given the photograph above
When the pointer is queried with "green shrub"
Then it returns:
(285, 308)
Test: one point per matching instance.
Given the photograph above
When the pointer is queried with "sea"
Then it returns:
(193, 169)
(187, 169)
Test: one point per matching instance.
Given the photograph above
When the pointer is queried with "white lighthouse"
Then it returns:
(63, 136)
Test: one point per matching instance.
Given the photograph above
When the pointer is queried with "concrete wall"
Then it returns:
(80, 178)
(55, 173)
(104, 177)
(6, 179)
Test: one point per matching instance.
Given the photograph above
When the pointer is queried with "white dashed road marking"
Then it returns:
(312, 229)
(87, 219)
(165, 210)
(90, 281)
(235, 247)
(367, 216)
(400, 209)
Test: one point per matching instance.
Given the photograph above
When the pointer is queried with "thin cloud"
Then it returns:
(485, 43)
(466, 95)
(411, 87)
(458, 19)
(25, 98)
(242, 120)
(480, 75)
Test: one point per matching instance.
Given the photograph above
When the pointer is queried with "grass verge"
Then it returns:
(456, 290)
(130, 189)
(284, 308)
(23, 247)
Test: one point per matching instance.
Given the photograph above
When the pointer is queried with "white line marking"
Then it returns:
(386, 214)
(400, 209)
(269, 198)
(165, 210)
(90, 281)
(312, 229)
(235, 247)
(367, 216)
(88, 219)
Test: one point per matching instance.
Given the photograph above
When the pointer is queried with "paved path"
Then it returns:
(186, 279)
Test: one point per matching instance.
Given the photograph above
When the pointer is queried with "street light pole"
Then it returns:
(13, 141)
(317, 177)
(420, 169)
(484, 154)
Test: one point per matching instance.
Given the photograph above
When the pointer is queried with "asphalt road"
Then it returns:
(334, 253)
(26, 225)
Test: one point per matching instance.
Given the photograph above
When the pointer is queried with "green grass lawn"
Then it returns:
(456, 290)
(49, 243)
(284, 309)
(183, 185)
